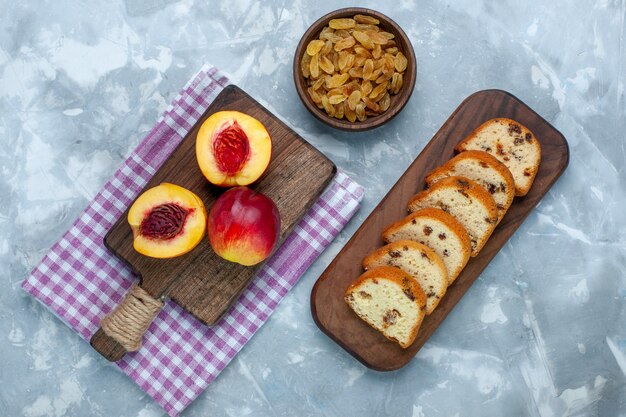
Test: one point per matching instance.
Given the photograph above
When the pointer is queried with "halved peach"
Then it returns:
(233, 148)
(167, 221)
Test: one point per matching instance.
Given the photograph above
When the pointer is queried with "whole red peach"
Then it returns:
(243, 226)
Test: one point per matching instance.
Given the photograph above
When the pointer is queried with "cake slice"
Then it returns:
(467, 201)
(439, 231)
(417, 260)
(486, 170)
(513, 144)
(390, 301)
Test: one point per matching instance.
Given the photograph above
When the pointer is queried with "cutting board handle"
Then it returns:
(121, 330)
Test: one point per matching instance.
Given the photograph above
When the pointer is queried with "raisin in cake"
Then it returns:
(439, 231)
(513, 144)
(467, 201)
(390, 301)
(486, 170)
(417, 260)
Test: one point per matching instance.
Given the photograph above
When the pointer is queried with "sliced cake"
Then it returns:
(439, 231)
(390, 301)
(467, 201)
(486, 170)
(513, 144)
(417, 260)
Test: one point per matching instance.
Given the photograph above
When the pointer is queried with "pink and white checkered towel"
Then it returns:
(81, 282)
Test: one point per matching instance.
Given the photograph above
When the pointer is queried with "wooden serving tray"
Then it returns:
(329, 309)
(200, 281)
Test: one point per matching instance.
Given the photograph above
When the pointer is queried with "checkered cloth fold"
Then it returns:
(81, 282)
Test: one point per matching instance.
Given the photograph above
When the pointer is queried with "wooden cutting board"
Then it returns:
(330, 311)
(201, 282)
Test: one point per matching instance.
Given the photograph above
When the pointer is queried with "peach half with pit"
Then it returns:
(233, 148)
(167, 221)
(243, 226)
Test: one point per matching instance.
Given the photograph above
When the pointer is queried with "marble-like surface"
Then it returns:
(541, 333)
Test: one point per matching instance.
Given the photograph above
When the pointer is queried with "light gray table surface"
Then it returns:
(542, 332)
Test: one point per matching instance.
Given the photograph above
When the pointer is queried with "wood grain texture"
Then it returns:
(200, 281)
(398, 101)
(330, 311)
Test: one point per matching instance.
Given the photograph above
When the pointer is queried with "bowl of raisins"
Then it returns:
(354, 69)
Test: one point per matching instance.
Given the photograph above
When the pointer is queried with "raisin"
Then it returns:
(499, 149)
(377, 37)
(396, 82)
(380, 89)
(446, 253)
(336, 80)
(413, 221)
(491, 188)
(371, 104)
(526, 172)
(428, 230)
(464, 194)
(395, 253)
(359, 18)
(336, 99)
(385, 102)
(500, 207)
(463, 183)
(314, 47)
(365, 295)
(345, 23)
(514, 128)
(409, 294)
(528, 137)
(424, 255)
(442, 236)
(518, 141)
(391, 317)
(314, 67)
(368, 69)
(431, 294)
(483, 164)
(405, 248)
(354, 99)
(506, 158)
(490, 220)
(326, 65)
(360, 111)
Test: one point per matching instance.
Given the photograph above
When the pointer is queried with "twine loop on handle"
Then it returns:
(129, 320)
